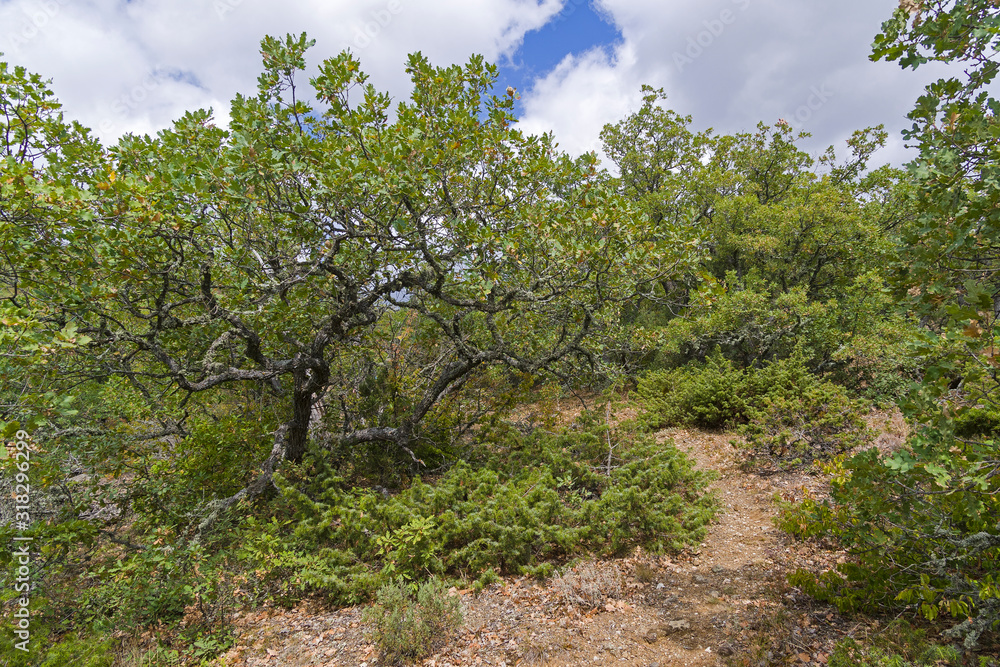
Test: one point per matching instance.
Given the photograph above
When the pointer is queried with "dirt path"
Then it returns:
(723, 603)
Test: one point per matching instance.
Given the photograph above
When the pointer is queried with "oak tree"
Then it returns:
(368, 265)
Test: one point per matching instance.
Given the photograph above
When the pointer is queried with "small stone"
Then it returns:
(725, 650)
(680, 624)
(713, 594)
(660, 586)
(718, 568)
(698, 579)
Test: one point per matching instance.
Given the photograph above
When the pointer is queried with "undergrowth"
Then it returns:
(897, 645)
(923, 527)
(521, 503)
(535, 501)
(788, 416)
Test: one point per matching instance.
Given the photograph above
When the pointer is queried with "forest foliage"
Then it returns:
(293, 357)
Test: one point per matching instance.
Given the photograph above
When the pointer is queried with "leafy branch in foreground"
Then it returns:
(924, 522)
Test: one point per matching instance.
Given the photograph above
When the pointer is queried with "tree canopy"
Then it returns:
(366, 264)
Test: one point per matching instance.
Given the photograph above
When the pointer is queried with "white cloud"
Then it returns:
(732, 63)
(582, 94)
(135, 66)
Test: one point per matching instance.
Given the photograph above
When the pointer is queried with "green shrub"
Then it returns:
(76, 650)
(713, 394)
(880, 366)
(162, 585)
(923, 524)
(899, 645)
(752, 323)
(198, 468)
(818, 423)
(853, 330)
(538, 499)
(81, 652)
(978, 421)
(487, 578)
(787, 415)
(64, 546)
(138, 589)
(718, 394)
(405, 628)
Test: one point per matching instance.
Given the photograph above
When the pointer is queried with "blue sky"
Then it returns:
(578, 28)
(578, 64)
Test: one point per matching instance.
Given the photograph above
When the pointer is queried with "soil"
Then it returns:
(725, 602)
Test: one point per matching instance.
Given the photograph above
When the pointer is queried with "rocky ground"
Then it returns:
(725, 602)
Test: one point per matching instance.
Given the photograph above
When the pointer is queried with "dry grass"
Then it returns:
(589, 585)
